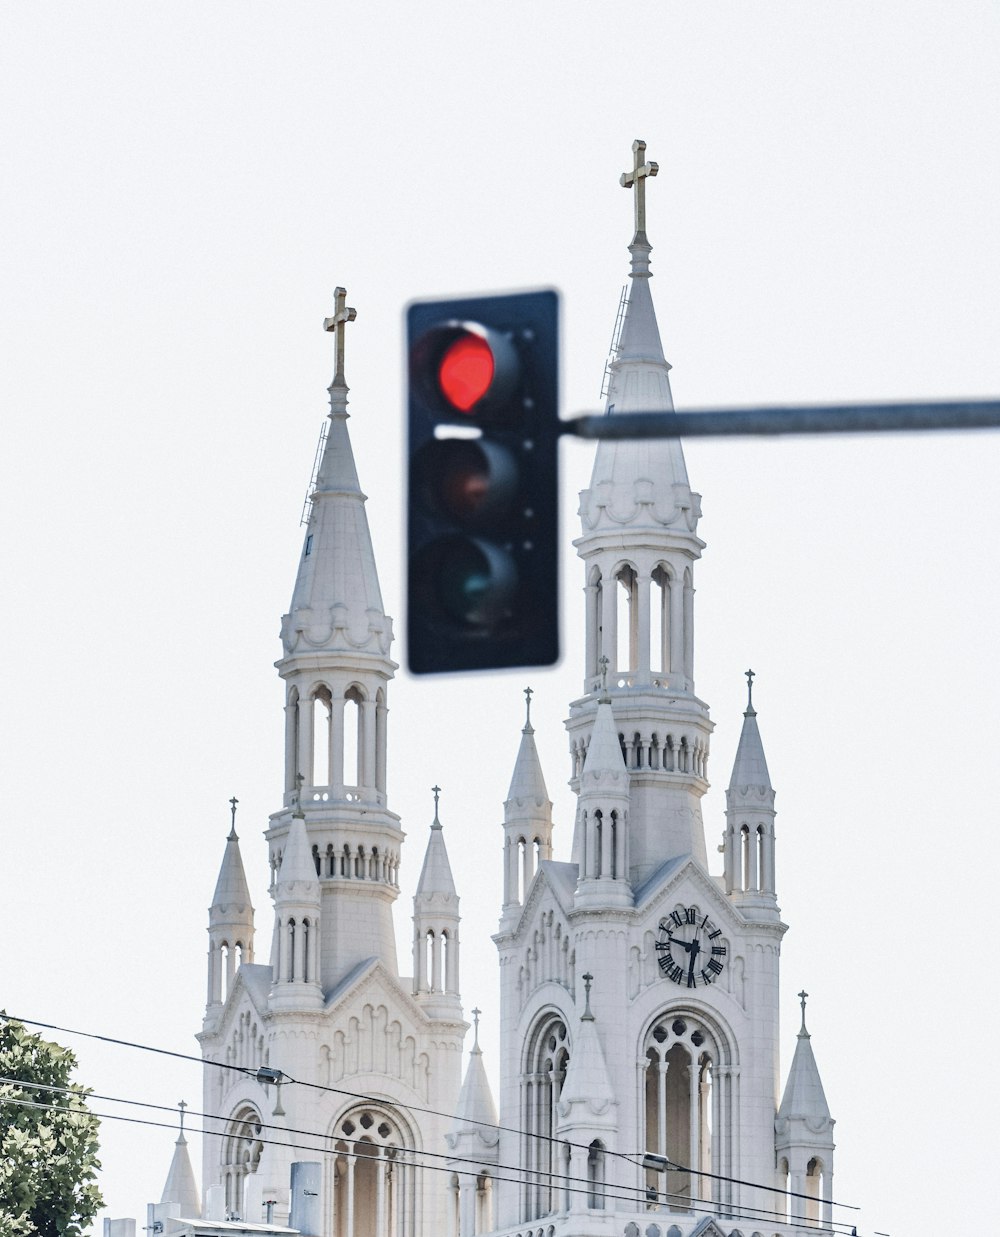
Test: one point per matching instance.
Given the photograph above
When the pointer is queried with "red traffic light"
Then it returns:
(465, 371)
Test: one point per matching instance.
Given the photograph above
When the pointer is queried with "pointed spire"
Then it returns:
(750, 780)
(804, 1097)
(337, 601)
(232, 893)
(527, 784)
(297, 865)
(644, 481)
(586, 1091)
(604, 755)
(435, 875)
(476, 1107)
(180, 1187)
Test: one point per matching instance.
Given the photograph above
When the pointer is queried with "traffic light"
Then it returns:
(482, 523)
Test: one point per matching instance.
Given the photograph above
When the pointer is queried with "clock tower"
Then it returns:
(640, 992)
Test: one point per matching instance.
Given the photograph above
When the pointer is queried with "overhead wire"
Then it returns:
(560, 1182)
(252, 1072)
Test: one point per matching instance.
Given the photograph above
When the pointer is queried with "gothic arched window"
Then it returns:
(241, 1151)
(682, 1055)
(374, 1186)
(545, 1065)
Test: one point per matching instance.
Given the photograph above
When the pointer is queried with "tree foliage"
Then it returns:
(48, 1153)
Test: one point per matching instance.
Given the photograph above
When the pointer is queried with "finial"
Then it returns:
(750, 710)
(181, 1105)
(802, 1002)
(342, 314)
(475, 1023)
(297, 794)
(528, 693)
(232, 807)
(603, 662)
(636, 179)
(437, 795)
(588, 979)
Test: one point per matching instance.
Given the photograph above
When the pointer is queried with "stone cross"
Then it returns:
(750, 676)
(603, 662)
(342, 314)
(528, 693)
(588, 979)
(637, 179)
(232, 807)
(437, 796)
(475, 1019)
(297, 793)
(182, 1105)
(802, 1002)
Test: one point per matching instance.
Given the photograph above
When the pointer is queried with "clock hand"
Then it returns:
(683, 944)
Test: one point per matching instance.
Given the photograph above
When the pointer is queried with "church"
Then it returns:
(639, 1087)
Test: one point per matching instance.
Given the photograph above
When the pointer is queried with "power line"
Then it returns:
(285, 1079)
(559, 1181)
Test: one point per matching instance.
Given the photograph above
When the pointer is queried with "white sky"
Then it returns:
(186, 183)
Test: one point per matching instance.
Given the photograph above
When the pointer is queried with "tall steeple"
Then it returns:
(436, 929)
(180, 1187)
(230, 923)
(639, 546)
(748, 841)
(527, 819)
(336, 639)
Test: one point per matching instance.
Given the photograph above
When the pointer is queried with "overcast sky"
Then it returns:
(186, 183)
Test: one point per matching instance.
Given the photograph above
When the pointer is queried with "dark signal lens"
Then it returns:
(471, 482)
(465, 371)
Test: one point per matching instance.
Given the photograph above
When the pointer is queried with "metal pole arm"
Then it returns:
(858, 418)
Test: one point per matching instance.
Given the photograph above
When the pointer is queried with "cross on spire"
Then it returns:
(528, 693)
(182, 1104)
(437, 795)
(603, 662)
(232, 807)
(475, 1020)
(587, 1016)
(342, 314)
(636, 179)
(750, 711)
(802, 1001)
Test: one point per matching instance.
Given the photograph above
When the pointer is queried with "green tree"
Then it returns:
(48, 1154)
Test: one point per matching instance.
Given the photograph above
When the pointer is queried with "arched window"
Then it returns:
(241, 1151)
(628, 619)
(659, 622)
(354, 772)
(545, 1065)
(681, 1057)
(321, 723)
(374, 1185)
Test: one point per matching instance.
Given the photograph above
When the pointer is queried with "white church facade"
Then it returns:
(639, 992)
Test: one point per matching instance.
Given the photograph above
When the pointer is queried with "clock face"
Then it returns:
(690, 949)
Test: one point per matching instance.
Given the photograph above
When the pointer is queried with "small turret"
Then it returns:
(804, 1135)
(435, 929)
(601, 836)
(230, 923)
(180, 1189)
(474, 1139)
(588, 1113)
(527, 820)
(748, 841)
(295, 954)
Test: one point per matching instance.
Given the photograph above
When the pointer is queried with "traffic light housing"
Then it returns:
(482, 514)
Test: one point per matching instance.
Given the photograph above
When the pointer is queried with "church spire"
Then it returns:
(295, 956)
(336, 640)
(230, 922)
(639, 545)
(748, 841)
(804, 1133)
(436, 923)
(180, 1187)
(527, 818)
